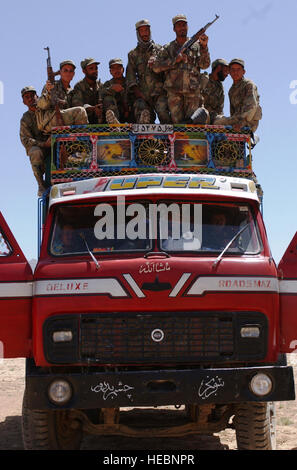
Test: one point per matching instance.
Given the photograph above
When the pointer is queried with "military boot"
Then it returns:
(38, 173)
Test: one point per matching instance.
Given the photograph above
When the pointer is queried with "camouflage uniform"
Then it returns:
(118, 102)
(46, 113)
(139, 74)
(34, 142)
(84, 95)
(213, 95)
(245, 109)
(182, 79)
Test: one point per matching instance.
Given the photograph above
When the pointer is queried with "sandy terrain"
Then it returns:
(11, 394)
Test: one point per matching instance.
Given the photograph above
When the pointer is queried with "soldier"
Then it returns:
(37, 145)
(116, 102)
(88, 91)
(182, 71)
(61, 93)
(245, 110)
(212, 88)
(146, 86)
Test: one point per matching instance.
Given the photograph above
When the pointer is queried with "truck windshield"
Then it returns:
(102, 226)
(209, 227)
(143, 226)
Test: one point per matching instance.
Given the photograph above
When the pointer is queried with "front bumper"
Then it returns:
(157, 388)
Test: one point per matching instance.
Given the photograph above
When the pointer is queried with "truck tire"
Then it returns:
(49, 429)
(255, 426)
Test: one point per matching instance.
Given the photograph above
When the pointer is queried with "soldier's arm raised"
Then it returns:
(204, 60)
(44, 101)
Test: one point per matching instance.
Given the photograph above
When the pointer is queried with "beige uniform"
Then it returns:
(34, 142)
(245, 109)
(46, 114)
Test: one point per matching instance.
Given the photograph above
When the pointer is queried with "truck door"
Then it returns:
(15, 297)
(287, 269)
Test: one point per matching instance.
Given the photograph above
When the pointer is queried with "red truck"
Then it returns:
(155, 286)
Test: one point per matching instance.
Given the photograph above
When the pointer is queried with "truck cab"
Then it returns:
(155, 286)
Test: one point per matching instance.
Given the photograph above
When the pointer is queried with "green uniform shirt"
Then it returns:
(140, 74)
(213, 95)
(245, 101)
(119, 102)
(84, 95)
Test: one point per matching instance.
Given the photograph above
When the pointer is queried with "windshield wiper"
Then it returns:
(89, 251)
(218, 259)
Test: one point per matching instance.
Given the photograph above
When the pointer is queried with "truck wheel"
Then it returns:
(50, 429)
(255, 426)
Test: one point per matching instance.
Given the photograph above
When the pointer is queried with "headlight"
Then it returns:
(60, 392)
(62, 336)
(250, 332)
(261, 384)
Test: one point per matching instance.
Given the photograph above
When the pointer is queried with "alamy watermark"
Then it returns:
(293, 94)
(1, 93)
(141, 221)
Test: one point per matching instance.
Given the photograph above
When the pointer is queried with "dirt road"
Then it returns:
(11, 394)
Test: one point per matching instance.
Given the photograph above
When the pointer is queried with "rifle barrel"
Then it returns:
(196, 36)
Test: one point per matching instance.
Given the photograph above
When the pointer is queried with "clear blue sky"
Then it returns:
(262, 32)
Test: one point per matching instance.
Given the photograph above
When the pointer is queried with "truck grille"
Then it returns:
(156, 338)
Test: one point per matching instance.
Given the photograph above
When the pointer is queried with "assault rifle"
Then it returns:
(196, 36)
(55, 102)
(51, 77)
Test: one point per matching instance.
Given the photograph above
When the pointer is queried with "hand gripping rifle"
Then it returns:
(196, 36)
(51, 77)
(55, 102)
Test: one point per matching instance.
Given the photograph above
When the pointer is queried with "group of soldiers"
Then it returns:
(159, 82)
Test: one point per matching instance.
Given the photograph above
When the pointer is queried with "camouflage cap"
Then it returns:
(89, 61)
(237, 61)
(180, 17)
(115, 61)
(67, 62)
(26, 89)
(142, 23)
(219, 62)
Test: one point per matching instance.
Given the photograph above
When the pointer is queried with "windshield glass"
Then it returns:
(100, 227)
(210, 227)
(121, 226)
